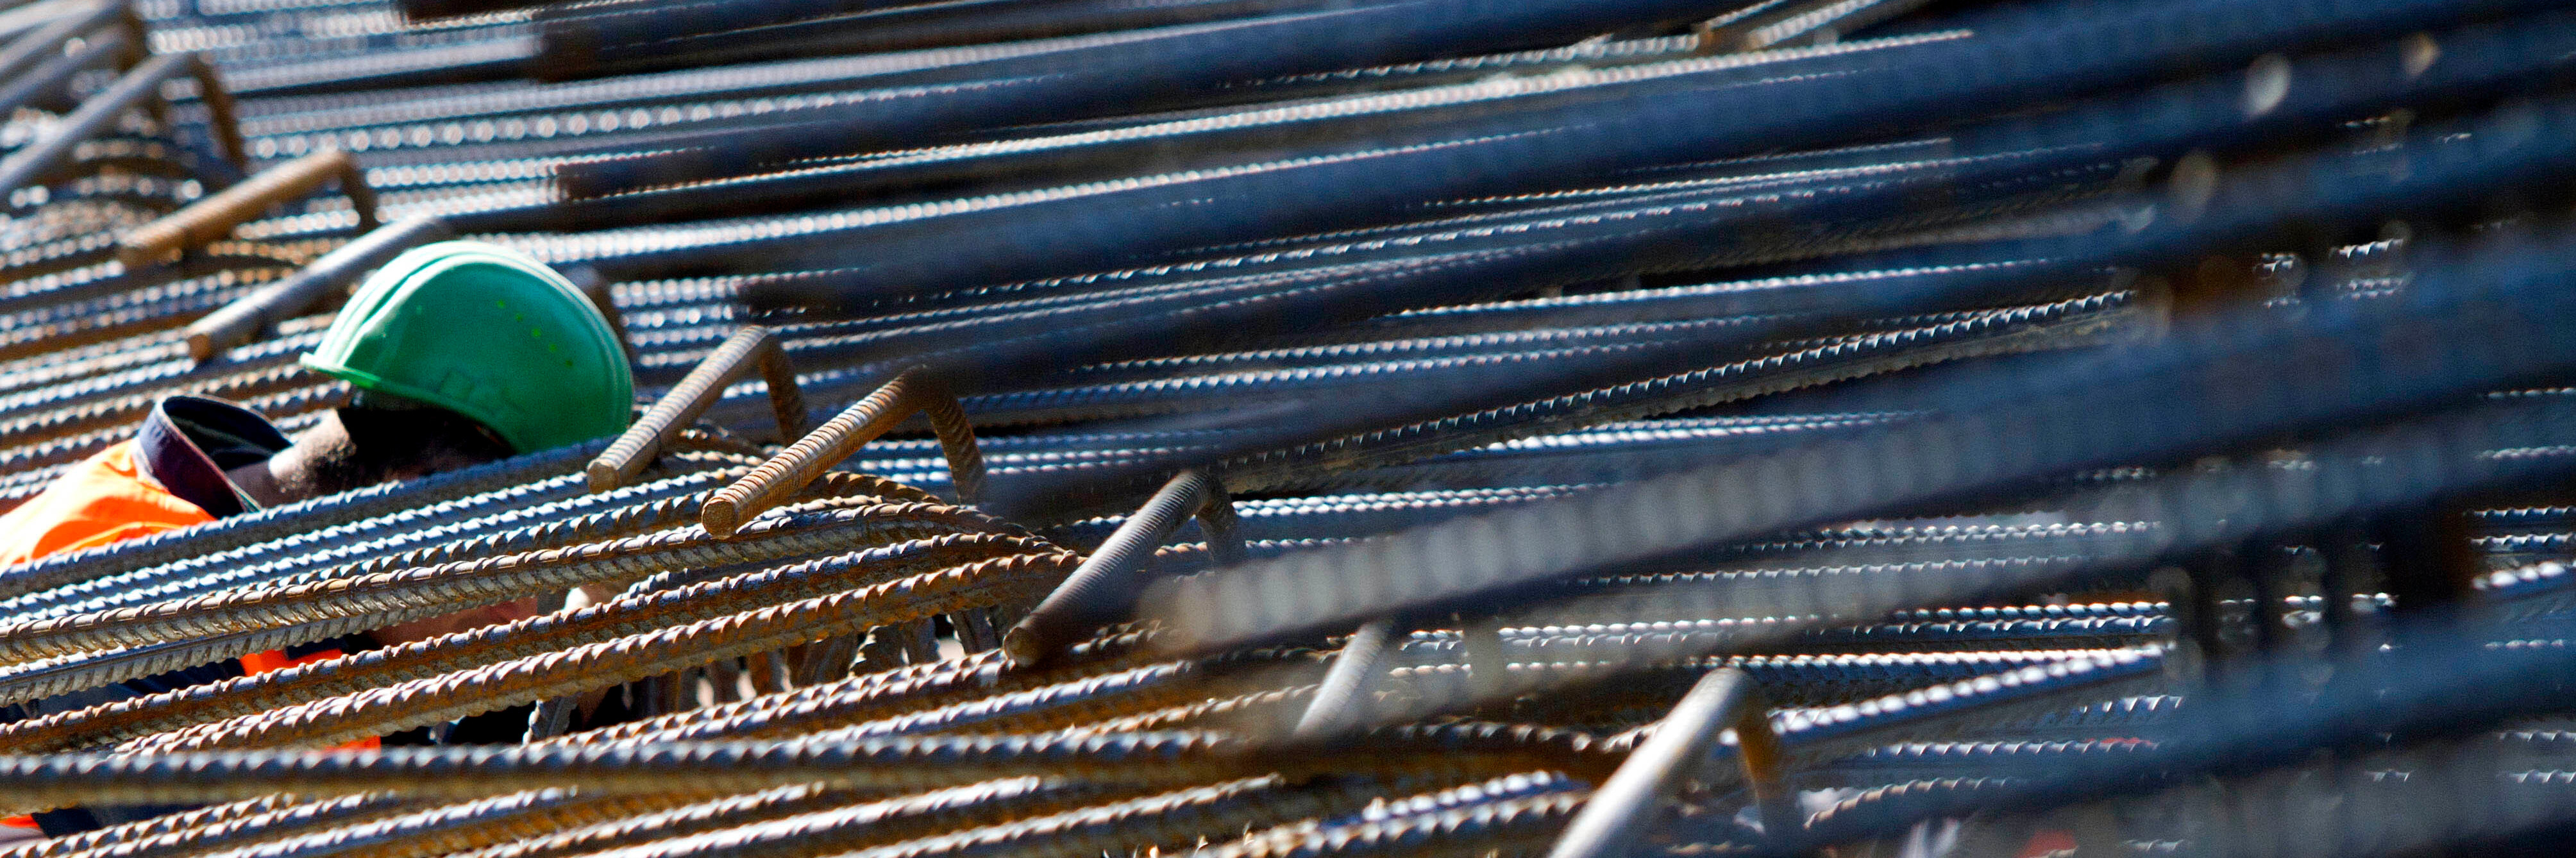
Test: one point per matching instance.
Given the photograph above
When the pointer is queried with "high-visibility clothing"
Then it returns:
(111, 497)
(116, 495)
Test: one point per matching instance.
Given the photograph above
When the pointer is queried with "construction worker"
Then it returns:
(458, 352)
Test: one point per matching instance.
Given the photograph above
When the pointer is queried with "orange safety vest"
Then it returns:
(107, 499)
(104, 499)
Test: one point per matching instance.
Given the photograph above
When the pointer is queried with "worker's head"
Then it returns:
(461, 352)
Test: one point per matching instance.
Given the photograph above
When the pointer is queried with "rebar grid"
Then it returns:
(950, 702)
(623, 659)
(247, 821)
(1514, 826)
(798, 808)
(348, 604)
(1171, 819)
(625, 616)
(2158, 406)
(1176, 759)
(444, 830)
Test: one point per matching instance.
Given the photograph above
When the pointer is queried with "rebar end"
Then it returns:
(1022, 646)
(147, 248)
(601, 475)
(720, 516)
(201, 346)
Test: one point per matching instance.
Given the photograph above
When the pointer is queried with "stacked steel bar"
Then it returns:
(1426, 427)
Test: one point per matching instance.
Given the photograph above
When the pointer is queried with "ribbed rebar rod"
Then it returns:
(1548, 539)
(626, 615)
(2302, 196)
(1104, 590)
(819, 810)
(1223, 529)
(1138, 65)
(345, 605)
(63, 674)
(1516, 826)
(1766, 24)
(214, 216)
(624, 659)
(2445, 685)
(522, 518)
(868, 696)
(283, 521)
(1575, 752)
(247, 319)
(2440, 454)
(124, 410)
(956, 435)
(1059, 706)
(1166, 822)
(760, 806)
(781, 477)
(31, 163)
(1516, 785)
(446, 830)
(864, 695)
(1810, 736)
(1626, 806)
(35, 782)
(245, 821)
(1258, 710)
(1999, 68)
(751, 348)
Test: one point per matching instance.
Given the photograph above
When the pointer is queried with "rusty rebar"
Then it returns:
(728, 810)
(813, 807)
(1104, 590)
(843, 435)
(630, 614)
(625, 659)
(1058, 706)
(1166, 822)
(47, 153)
(902, 764)
(238, 823)
(1263, 709)
(752, 348)
(72, 673)
(214, 216)
(871, 695)
(255, 314)
(325, 608)
(1511, 827)
(420, 829)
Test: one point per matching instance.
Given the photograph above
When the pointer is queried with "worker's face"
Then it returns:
(327, 459)
(324, 460)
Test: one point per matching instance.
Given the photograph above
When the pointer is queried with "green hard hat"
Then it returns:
(489, 333)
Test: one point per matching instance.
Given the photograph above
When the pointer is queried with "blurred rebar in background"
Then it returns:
(1264, 428)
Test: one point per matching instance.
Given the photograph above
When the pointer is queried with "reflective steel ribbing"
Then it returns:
(346, 604)
(581, 668)
(887, 764)
(626, 615)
